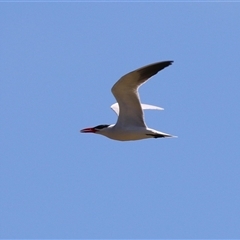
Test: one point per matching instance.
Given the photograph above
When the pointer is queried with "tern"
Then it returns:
(130, 124)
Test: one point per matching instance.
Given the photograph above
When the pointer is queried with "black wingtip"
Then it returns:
(168, 63)
(158, 135)
(152, 69)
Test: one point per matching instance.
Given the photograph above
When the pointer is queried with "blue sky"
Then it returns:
(58, 62)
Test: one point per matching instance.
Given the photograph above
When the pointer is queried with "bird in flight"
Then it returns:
(130, 124)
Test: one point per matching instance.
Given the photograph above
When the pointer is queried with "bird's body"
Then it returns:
(130, 124)
(131, 133)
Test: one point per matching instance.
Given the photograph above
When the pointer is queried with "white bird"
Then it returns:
(130, 124)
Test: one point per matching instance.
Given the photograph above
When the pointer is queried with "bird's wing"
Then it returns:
(125, 90)
(115, 107)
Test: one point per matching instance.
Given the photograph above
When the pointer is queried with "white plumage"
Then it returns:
(130, 124)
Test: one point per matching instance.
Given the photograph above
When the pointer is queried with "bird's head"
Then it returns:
(98, 129)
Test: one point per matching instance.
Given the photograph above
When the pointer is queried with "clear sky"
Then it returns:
(58, 63)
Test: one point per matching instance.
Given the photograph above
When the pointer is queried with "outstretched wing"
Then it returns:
(125, 90)
(115, 107)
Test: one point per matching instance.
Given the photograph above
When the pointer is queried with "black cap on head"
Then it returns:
(99, 127)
